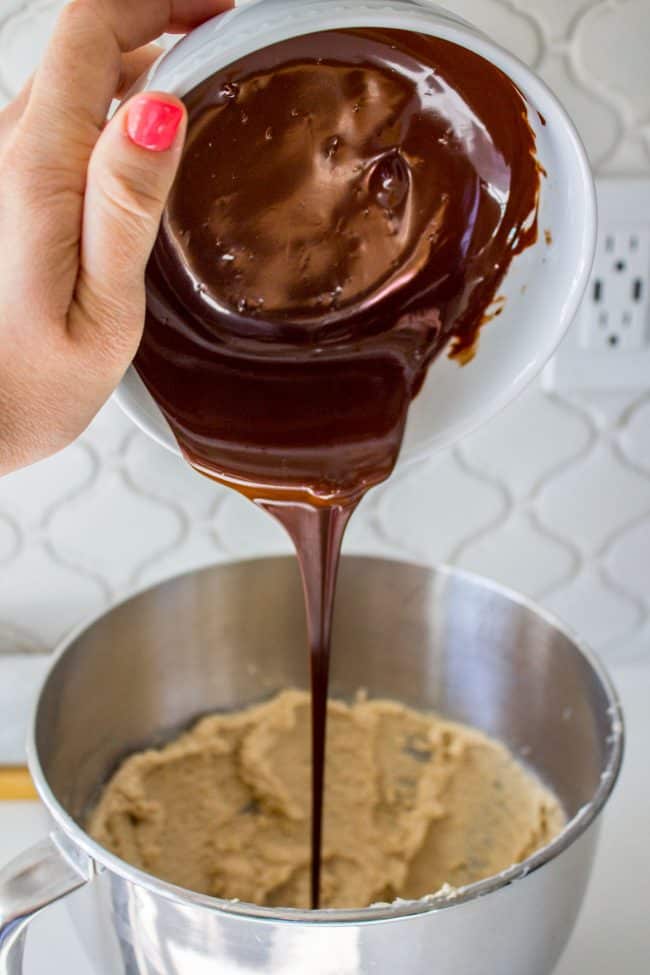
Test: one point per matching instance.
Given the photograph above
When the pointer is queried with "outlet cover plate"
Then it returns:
(582, 363)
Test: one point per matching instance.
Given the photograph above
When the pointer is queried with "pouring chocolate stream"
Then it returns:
(346, 209)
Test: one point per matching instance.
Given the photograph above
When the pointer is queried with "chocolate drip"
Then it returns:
(346, 209)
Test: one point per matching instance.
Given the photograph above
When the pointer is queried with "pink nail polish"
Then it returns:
(152, 123)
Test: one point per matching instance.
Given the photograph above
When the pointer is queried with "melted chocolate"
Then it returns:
(346, 208)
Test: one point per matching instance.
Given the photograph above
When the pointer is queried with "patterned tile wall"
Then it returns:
(552, 497)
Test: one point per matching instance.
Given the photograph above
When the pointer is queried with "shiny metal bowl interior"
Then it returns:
(232, 635)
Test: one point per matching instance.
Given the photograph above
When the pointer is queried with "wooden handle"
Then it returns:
(16, 784)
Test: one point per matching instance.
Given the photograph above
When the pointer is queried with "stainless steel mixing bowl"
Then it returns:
(234, 634)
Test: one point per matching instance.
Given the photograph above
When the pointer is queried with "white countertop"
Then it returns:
(613, 933)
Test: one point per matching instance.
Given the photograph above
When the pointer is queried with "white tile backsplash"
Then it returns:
(628, 558)
(608, 29)
(556, 19)
(246, 531)
(634, 440)
(86, 535)
(433, 509)
(552, 497)
(600, 612)
(512, 28)
(520, 556)
(536, 438)
(593, 500)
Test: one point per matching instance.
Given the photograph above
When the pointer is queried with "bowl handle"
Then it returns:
(36, 878)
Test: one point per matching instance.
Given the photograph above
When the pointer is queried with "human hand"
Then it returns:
(80, 206)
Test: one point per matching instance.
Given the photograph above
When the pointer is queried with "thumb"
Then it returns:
(130, 173)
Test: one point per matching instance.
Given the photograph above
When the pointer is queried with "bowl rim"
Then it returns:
(132, 396)
(400, 910)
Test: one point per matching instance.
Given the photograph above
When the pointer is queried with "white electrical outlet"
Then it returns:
(614, 314)
(608, 346)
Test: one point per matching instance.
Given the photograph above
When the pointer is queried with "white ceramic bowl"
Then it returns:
(544, 285)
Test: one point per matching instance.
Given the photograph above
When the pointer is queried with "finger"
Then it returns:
(135, 64)
(80, 74)
(71, 67)
(13, 111)
(129, 177)
(53, 140)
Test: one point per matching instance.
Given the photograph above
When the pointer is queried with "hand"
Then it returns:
(80, 205)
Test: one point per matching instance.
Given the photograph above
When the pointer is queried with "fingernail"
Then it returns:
(152, 123)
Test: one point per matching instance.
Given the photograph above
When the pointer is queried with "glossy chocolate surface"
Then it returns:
(348, 203)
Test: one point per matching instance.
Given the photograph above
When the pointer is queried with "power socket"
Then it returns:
(614, 314)
(608, 346)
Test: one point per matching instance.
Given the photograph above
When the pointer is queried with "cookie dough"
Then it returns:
(413, 802)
